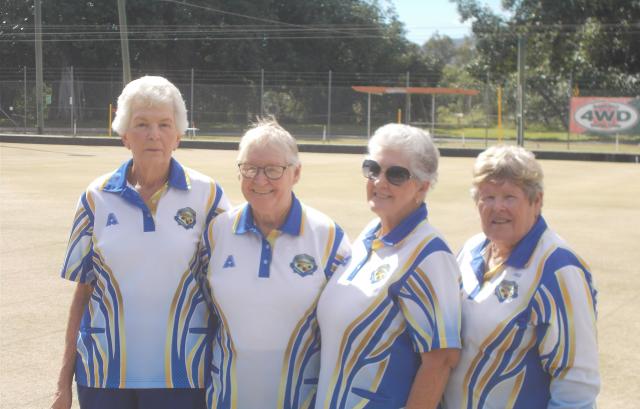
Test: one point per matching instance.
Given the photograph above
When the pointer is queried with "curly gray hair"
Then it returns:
(510, 163)
(149, 91)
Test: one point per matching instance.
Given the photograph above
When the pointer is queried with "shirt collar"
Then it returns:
(520, 255)
(402, 230)
(118, 180)
(292, 224)
(524, 249)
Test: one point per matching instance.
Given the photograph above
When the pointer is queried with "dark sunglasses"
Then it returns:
(396, 175)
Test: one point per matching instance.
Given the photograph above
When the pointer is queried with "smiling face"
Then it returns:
(268, 198)
(390, 202)
(506, 213)
(151, 135)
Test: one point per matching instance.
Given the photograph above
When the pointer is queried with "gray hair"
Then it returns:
(267, 132)
(415, 143)
(149, 91)
(502, 163)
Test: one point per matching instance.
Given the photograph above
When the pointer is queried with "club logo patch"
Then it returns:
(186, 217)
(379, 273)
(303, 265)
(507, 291)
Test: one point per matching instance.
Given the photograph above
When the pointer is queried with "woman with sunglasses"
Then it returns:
(266, 262)
(390, 322)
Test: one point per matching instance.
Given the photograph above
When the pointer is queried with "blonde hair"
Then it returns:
(508, 163)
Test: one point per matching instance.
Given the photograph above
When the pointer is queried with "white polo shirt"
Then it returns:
(146, 322)
(529, 333)
(398, 298)
(265, 290)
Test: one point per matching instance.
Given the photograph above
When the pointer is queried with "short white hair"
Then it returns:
(267, 132)
(149, 91)
(415, 143)
(508, 163)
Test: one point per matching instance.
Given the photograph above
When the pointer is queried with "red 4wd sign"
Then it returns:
(603, 115)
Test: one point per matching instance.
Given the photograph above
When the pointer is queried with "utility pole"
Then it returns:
(124, 42)
(39, 76)
(521, 81)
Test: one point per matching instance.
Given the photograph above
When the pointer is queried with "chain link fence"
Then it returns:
(318, 106)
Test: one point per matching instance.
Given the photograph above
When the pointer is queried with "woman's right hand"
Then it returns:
(64, 396)
(62, 399)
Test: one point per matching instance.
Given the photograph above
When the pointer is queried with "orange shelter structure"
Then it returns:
(433, 91)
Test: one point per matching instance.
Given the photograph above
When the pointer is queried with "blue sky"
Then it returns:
(423, 18)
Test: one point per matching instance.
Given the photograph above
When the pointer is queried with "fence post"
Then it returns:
(407, 108)
(25, 99)
(521, 81)
(261, 92)
(486, 112)
(433, 115)
(368, 115)
(39, 75)
(71, 102)
(329, 107)
(193, 131)
(569, 94)
(499, 96)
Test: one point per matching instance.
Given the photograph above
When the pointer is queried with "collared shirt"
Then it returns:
(529, 332)
(265, 289)
(396, 300)
(145, 324)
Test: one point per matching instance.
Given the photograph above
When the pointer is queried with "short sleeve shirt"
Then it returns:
(529, 332)
(146, 323)
(265, 291)
(396, 300)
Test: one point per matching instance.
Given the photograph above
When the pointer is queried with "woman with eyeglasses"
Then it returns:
(390, 322)
(266, 262)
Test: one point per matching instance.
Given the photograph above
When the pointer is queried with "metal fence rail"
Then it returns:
(313, 105)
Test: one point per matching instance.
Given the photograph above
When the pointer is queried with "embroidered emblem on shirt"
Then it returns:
(186, 217)
(303, 265)
(111, 219)
(380, 273)
(507, 291)
(229, 262)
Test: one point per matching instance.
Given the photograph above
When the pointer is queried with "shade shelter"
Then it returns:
(370, 89)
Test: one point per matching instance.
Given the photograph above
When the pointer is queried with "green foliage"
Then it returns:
(287, 37)
(597, 42)
(588, 46)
